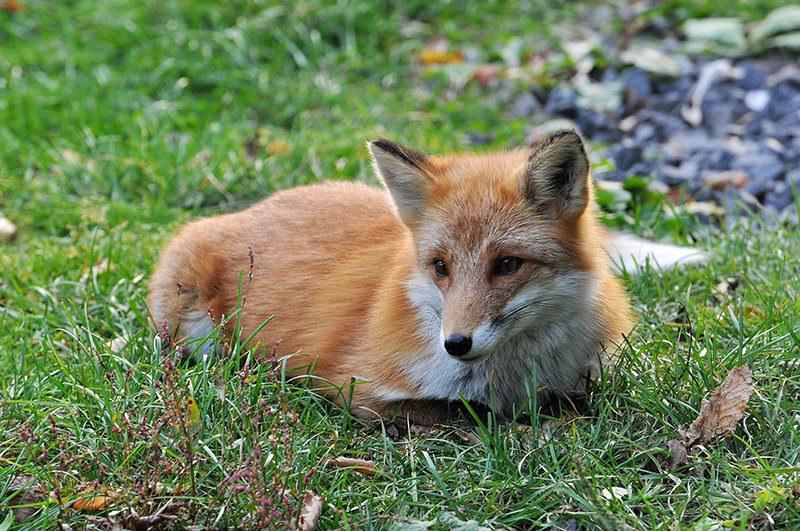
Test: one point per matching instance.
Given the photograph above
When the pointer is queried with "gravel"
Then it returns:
(746, 141)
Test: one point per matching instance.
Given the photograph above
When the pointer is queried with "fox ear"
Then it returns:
(556, 176)
(403, 171)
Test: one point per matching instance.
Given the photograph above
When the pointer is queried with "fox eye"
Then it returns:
(440, 268)
(508, 265)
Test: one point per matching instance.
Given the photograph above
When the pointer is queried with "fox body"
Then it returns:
(479, 276)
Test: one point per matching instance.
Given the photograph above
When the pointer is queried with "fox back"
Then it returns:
(478, 276)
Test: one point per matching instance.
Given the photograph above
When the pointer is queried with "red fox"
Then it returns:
(482, 276)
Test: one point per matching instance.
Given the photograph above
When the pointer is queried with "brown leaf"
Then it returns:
(468, 437)
(310, 511)
(724, 179)
(677, 448)
(100, 498)
(360, 465)
(485, 74)
(31, 492)
(720, 414)
(12, 6)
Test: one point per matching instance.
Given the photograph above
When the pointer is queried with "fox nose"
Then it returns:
(458, 345)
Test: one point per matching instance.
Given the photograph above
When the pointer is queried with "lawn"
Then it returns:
(121, 120)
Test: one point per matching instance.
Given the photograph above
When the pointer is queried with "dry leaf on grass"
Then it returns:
(29, 492)
(719, 415)
(100, 498)
(8, 232)
(360, 465)
(310, 511)
(468, 437)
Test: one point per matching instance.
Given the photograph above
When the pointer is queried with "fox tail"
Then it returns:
(629, 253)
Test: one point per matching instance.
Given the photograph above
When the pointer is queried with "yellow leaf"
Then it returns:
(768, 497)
(431, 56)
(100, 499)
(192, 415)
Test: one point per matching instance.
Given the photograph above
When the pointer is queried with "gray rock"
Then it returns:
(678, 175)
(625, 157)
(562, 103)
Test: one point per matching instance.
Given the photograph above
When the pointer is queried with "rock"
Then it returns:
(669, 125)
(562, 103)
(526, 104)
(779, 197)
(678, 175)
(641, 169)
(636, 88)
(746, 140)
(766, 166)
(757, 187)
(598, 126)
(757, 100)
(681, 145)
(712, 157)
(626, 156)
(752, 78)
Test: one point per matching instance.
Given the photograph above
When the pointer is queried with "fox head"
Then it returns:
(500, 238)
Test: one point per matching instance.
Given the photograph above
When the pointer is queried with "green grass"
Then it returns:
(121, 120)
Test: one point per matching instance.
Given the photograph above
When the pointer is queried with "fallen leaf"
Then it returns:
(411, 525)
(724, 179)
(456, 524)
(8, 232)
(485, 74)
(359, 465)
(614, 493)
(705, 208)
(678, 452)
(468, 437)
(191, 415)
(720, 414)
(432, 56)
(100, 498)
(768, 497)
(310, 511)
(12, 6)
(29, 492)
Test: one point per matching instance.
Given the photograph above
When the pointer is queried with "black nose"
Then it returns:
(457, 345)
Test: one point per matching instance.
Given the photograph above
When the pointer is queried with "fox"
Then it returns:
(483, 278)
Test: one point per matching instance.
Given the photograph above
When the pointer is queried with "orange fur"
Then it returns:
(347, 271)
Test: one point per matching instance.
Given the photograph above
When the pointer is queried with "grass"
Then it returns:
(122, 120)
